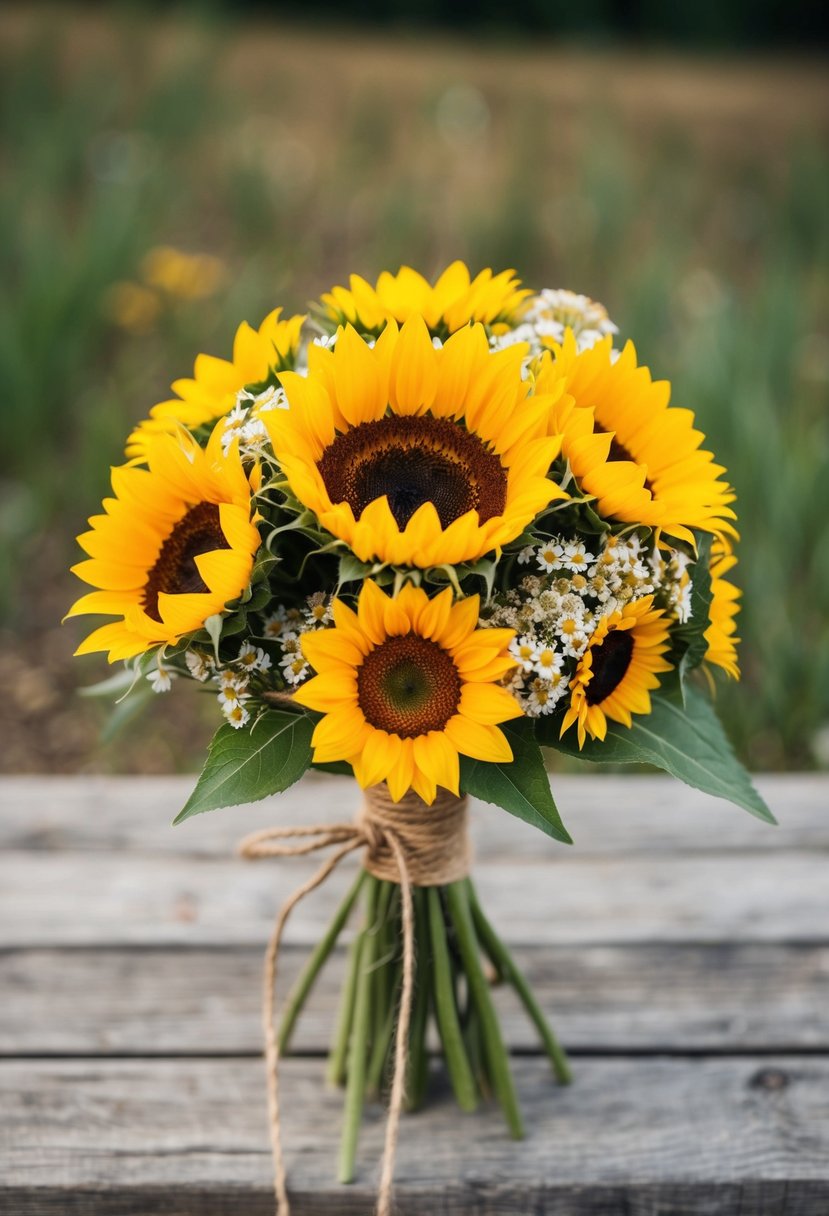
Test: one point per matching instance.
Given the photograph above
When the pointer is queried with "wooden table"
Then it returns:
(682, 949)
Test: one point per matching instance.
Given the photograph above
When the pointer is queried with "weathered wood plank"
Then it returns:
(170, 1136)
(49, 899)
(649, 999)
(605, 813)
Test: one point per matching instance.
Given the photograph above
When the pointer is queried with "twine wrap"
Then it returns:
(434, 839)
(406, 842)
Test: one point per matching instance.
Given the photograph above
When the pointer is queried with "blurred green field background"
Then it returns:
(690, 195)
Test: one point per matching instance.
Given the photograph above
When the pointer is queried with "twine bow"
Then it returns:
(349, 836)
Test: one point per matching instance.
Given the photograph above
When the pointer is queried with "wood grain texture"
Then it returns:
(682, 950)
(606, 814)
(177, 1136)
(616, 999)
(88, 899)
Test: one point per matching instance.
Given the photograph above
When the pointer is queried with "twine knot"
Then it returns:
(406, 842)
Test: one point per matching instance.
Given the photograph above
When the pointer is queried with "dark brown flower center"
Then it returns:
(610, 663)
(413, 461)
(175, 571)
(408, 686)
(618, 451)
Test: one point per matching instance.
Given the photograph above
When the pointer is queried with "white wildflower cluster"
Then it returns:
(554, 610)
(235, 680)
(286, 626)
(548, 314)
(245, 421)
(671, 571)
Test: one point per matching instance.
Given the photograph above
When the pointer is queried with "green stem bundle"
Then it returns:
(452, 935)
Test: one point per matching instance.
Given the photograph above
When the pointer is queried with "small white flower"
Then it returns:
(233, 683)
(161, 680)
(276, 625)
(575, 557)
(526, 555)
(273, 398)
(549, 556)
(525, 650)
(548, 661)
(253, 434)
(237, 715)
(545, 695)
(318, 610)
(199, 665)
(294, 668)
(234, 424)
(253, 658)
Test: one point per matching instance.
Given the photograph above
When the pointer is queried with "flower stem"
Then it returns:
(457, 899)
(338, 1058)
(502, 960)
(418, 1072)
(356, 1081)
(446, 1009)
(300, 990)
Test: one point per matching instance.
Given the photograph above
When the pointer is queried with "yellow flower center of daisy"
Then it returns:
(413, 460)
(610, 662)
(408, 686)
(175, 571)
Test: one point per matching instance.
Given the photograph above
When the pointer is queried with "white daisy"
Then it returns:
(199, 665)
(525, 650)
(161, 680)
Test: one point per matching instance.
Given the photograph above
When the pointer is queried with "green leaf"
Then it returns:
(246, 765)
(688, 742)
(352, 570)
(522, 787)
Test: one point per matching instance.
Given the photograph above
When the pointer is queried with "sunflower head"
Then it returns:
(454, 300)
(618, 670)
(638, 457)
(173, 546)
(416, 456)
(406, 684)
(258, 355)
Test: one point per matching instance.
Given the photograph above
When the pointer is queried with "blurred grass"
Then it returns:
(691, 198)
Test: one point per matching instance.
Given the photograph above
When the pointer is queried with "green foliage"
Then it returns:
(246, 765)
(522, 787)
(688, 742)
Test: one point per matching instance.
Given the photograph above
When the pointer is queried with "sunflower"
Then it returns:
(721, 633)
(406, 684)
(257, 355)
(618, 668)
(417, 456)
(453, 301)
(640, 459)
(175, 545)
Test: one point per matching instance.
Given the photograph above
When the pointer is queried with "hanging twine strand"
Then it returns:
(406, 842)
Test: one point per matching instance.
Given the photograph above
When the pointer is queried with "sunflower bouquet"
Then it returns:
(416, 537)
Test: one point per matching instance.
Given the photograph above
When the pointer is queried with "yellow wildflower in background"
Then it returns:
(132, 307)
(174, 545)
(417, 456)
(211, 392)
(187, 276)
(451, 302)
(407, 684)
